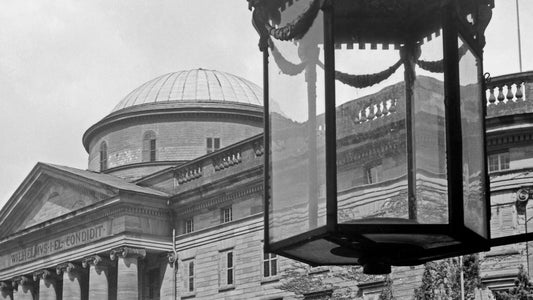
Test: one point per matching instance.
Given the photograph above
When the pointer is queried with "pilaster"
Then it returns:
(75, 281)
(6, 290)
(49, 285)
(24, 288)
(128, 272)
(169, 277)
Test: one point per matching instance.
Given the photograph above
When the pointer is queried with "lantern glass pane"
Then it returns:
(297, 202)
(378, 120)
(473, 140)
(429, 134)
(371, 134)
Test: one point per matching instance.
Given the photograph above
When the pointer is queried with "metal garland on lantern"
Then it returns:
(438, 66)
(362, 81)
(293, 30)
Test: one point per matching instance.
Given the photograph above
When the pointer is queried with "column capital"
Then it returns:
(127, 252)
(6, 286)
(22, 280)
(43, 274)
(67, 267)
(171, 258)
(93, 260)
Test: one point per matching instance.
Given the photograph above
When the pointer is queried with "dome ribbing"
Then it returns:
(194, 85)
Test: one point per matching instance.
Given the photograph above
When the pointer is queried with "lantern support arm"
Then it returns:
(512, 239)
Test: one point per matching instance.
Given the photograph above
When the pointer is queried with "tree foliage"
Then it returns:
(301, 279)
(442, 279)
(386, 292)
(522, 289)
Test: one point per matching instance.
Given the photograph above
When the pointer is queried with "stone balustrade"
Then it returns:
(374, 110)
(227, 159)
(246, 151)
(510, 94)
(95, 277)
(188, 174)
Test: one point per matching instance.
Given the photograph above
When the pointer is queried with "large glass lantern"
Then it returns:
(374, 130)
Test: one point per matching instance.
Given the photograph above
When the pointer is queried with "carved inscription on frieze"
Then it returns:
(59, 244)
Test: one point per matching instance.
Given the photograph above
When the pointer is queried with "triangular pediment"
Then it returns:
(49, 192)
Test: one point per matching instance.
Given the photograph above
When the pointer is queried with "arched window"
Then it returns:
(103, 156)
(149, 146)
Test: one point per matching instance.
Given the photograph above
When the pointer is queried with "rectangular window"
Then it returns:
(499, 162)
(374, 174)
(226, 215)
(188, 227)
(229, 270)
(209, 144)
(226, 268)
(212, 144)
(270, 264)
(190, 276)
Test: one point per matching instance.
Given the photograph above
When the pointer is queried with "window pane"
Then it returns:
(493, 163)
(152, 150)
(266, 271)
(504, 161)
(230, 259)
(297, 156)
(473, 142)
(230, 276)
(274, 269)
(217, 143)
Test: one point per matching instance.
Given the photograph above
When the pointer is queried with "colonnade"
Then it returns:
(96, 277)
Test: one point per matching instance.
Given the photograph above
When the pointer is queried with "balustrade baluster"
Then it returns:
(385, 109)
(363, 115)
(510, 95)
(392, 107)
(371, 112)
(519, 94)
(500, 94)
(379, 113)
(492, 98)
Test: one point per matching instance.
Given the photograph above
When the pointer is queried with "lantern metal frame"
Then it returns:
(453, 27)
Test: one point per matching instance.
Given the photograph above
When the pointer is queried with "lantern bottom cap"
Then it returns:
(376, 268)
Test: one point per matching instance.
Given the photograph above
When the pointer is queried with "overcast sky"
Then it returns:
(65, 64)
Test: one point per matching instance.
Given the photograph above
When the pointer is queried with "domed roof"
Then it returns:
(194, 85)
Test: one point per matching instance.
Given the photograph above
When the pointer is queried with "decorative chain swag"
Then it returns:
(293, 30)
(362, 81)
(438, 65)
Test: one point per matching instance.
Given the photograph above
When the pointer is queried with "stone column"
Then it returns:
(49, 285)
(168, 287)
(6, 290)
(24, 288)
(128, 272)
(99, 272)
(74, 281)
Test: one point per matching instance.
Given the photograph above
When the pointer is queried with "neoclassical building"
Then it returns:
(171, 204)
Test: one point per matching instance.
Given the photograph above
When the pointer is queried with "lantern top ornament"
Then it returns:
(371, 21)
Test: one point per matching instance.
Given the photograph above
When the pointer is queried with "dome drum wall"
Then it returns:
(175, 140)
